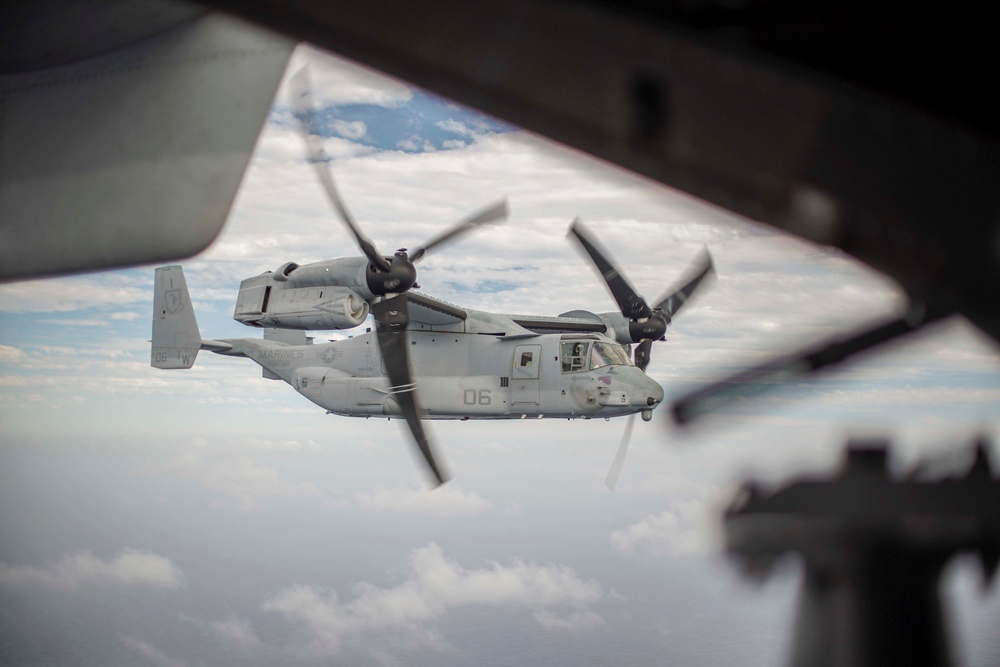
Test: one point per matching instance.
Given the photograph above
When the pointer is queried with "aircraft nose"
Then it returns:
(649, 394)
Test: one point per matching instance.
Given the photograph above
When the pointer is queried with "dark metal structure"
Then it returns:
(873, 550)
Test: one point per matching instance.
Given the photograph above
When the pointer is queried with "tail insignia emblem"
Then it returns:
(173, 300)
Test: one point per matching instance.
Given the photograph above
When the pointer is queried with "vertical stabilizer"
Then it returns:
(176, 338)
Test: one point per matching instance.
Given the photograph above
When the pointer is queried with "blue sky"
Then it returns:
(213, 516)
(423, 123)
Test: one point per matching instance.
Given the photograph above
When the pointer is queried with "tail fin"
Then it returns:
(176, 338)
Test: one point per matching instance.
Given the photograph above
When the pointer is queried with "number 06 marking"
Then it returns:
(472, 397)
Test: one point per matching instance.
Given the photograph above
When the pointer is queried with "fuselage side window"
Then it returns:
(574, 356)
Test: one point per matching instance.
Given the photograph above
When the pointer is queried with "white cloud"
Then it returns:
(81, 322)
(130, 568)
(350, 129)
(557, 596)
(280, 149)
(151, 653)
(458, 127)
(409, 144)
(236, 631)
(11, 355)
(415, 143)
(682, 530)
(68, 294)
(447, 500)
(232, 631)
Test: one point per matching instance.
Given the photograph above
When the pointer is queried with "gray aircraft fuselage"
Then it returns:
(466, 364)
(465, 376)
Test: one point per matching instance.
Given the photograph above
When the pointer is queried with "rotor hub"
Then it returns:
(651, 328)
(400, 277)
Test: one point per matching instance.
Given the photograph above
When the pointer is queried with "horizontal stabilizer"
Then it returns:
(217, 346)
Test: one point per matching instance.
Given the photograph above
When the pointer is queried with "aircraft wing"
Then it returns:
(560, 324)
(428, 310)
(124, 142)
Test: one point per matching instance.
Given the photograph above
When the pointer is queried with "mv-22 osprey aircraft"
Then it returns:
(463, 363)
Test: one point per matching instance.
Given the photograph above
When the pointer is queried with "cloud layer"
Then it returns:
(435, 585)
(81, 568)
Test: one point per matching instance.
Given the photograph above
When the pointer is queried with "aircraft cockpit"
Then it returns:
(587, 355)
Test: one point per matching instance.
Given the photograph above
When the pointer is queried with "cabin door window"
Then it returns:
(524, 378)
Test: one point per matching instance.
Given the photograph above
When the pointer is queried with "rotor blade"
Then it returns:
(629, 302)
(492, 213)
(306, 114)
(642, 352)
(616, 466)
(391, 319)
(759, 379)
(701, 272)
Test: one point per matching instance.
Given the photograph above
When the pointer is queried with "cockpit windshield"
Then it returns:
(582, 355)
(607, 354)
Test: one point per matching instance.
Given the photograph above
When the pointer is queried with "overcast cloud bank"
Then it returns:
(435, 585)
(81, 568)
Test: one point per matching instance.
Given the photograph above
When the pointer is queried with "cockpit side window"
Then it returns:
(574, 356)
(606, 354)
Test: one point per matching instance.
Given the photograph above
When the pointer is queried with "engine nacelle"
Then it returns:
(331, 294)
(620, 328)
(285, 270)
(313, 308)
(617, 325)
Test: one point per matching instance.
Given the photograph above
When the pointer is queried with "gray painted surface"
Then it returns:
(135, 155)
